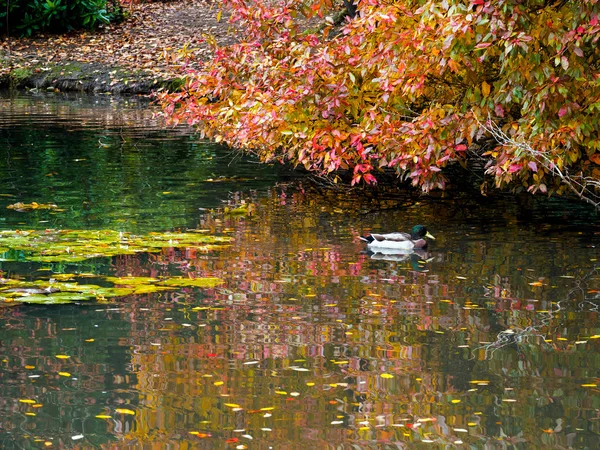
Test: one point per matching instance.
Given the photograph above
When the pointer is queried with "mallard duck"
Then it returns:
(400, 241)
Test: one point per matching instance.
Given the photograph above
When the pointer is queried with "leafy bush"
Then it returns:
(509, 87)
(26, 17)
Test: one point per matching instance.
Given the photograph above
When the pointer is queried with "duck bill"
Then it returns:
(429, 235)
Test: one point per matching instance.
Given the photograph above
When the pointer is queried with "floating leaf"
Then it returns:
(63, 356)
(125, 411)
(27, 401)
(200, 434)
(103, 416)
(386, 375)
(64, 374)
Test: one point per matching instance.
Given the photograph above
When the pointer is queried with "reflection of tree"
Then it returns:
(317, 342)
(297, 299)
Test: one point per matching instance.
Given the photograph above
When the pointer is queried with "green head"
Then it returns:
(420, 232)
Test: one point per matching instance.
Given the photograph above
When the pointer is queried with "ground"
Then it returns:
(135, 56)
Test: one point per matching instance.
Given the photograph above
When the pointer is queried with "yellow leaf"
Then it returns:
(103, 416)
(455, 400)
(30, 367)
(37, 405)
(63, 356)
(232, 405)
(125, 411)
(27, 401)
(89, 340)
(387, 375)
(485, 89)
(589, 385)
(64, 374)
(30, 414)
(281, 392)
(267, 408)
(218, 383)
(536, 283)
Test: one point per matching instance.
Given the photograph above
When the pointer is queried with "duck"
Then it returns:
(400, 241)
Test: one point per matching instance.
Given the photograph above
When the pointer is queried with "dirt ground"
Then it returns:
(137, 55)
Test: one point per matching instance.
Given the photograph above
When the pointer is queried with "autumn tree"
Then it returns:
(410, 86)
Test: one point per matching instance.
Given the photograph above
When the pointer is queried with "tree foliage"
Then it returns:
(26, 17)
(410, 86)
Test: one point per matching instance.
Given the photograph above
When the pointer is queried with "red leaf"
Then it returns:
(562, 111)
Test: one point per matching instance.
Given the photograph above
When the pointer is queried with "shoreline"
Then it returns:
(74, 76)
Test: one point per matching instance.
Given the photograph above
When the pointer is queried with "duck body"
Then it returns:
(399, 241)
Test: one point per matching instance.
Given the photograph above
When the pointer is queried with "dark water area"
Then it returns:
(489, 339)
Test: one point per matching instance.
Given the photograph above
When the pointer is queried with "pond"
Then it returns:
(278, 330)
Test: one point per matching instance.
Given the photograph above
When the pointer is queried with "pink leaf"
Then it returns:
(499, 110)
(514, 168)
(533, 166)
(562, 111)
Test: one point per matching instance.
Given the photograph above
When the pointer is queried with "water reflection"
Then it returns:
(490, 339)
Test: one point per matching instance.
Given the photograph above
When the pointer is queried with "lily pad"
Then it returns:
(207, 282)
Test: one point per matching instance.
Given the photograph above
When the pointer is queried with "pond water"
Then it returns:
(490, 339)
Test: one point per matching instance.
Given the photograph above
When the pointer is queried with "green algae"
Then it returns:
(70, 246)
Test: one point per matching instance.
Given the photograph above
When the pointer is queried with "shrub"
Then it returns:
(26, 17)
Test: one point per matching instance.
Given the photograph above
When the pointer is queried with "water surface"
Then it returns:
(490, 339)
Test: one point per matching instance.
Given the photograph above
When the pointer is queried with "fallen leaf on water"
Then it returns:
(64, 374)
(62, 356)
(536, 283)
(232, 405)
(27, 401)
(387, 375)
(200, 434)
(125, 411)
(103, 416)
